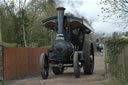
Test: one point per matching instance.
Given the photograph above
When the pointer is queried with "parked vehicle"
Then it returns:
(100, 47)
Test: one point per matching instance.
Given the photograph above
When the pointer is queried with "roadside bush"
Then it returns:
(116, 57)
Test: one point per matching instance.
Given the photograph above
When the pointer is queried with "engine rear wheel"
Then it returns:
(57, 70)
(88, 54)
(44, 67)
(76, 65)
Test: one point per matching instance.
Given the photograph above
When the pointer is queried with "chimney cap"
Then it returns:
(60, 9)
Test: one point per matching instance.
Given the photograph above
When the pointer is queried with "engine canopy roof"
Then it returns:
(73, 22)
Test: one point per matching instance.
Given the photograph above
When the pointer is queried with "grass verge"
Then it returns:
(121, 82)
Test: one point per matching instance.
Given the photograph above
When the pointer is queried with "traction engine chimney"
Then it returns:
(60, 19)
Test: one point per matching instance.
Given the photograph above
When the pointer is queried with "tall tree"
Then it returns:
(0, 24)
(21, 21)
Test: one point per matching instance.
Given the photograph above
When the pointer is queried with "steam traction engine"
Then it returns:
(70, 49)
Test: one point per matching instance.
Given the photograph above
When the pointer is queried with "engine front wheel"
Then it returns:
(76, 65)
(57, 70)
(44, 66)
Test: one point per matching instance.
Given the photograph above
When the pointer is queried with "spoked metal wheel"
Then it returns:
(88, 55)
(44, 67)
(76, 65)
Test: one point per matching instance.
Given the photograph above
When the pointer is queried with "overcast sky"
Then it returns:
(91, 10)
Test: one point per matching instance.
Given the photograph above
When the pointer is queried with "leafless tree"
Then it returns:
(116, 10)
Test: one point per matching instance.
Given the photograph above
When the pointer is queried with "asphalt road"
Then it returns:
(67, 78)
